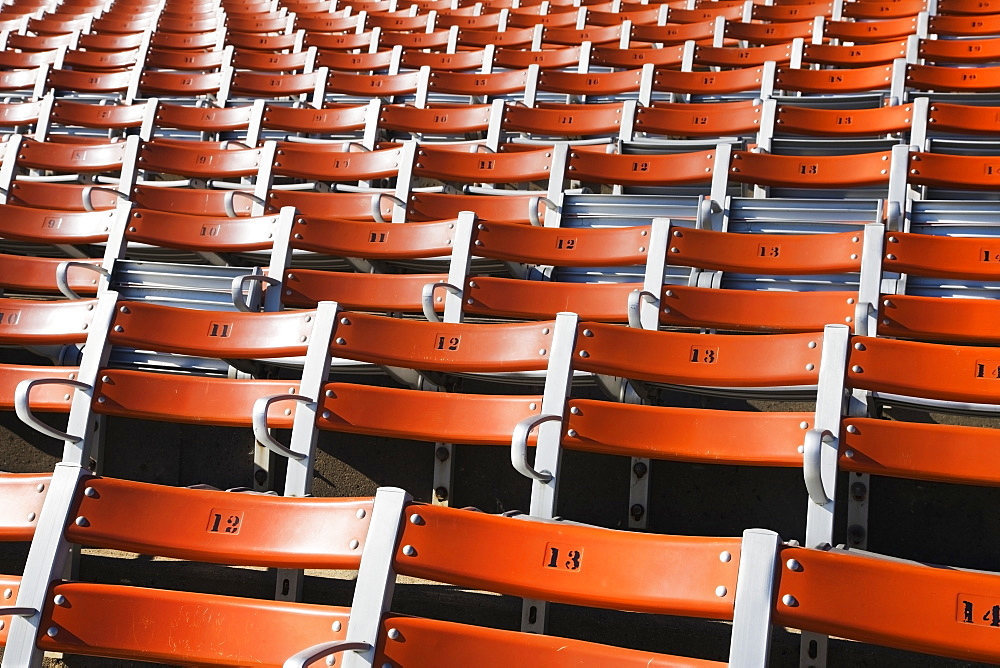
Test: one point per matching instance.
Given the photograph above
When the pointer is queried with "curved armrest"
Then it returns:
(310, 654)
(812, 453)
(229, 201)
(634, 301)
(894, 216)
(88, 200)
(519, 446)
(260, 408)
(237, 288)
(377, 205)
(22, 406)
(427, 298)
(361, 148)
(706, 208)
(533, 208)
(16, 612)
(62, 278)
(862, 310)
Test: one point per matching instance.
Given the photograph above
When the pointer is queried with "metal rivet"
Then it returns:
(545, 330)
(119, 328)
(337, 626)
(416, 519)
(393, 634)
(571, 433)
(532, 406)
(302, 339)
(7, 593)
(588, 332)
(803, 425)
(2, 625)
(801, 449)
(849, 454)
(40, 488)
(52, 632)
(326, 415)
(31, 517)
(82, 521)
(854, 256)
(574, 410)
(542, 351)
(721, 591)
(859, 346)
(409, 551)
(789, 600)
(361, 514)
(354, 544)
(851, 429)
(725, 557)
(856, 368)
(340, 341)
(811, 344)
(890, 256)
(331, 660)
(584, 354)
(793, 565)
(59, 599)
(810, 367)
(345, 321)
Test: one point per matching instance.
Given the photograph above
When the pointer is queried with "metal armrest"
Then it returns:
(22, 406)
(519, 446)
(62, 278)
(88, 200)
(16, 612)
(310, 654)
(358, 146)
(533, 208)
(229, 201)
(862, 311)
(259, 416)
(634, 302)
(237, 288)
(812, 454)
(706, 208)
(894, 216)
(427, 298)
(377, 205)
